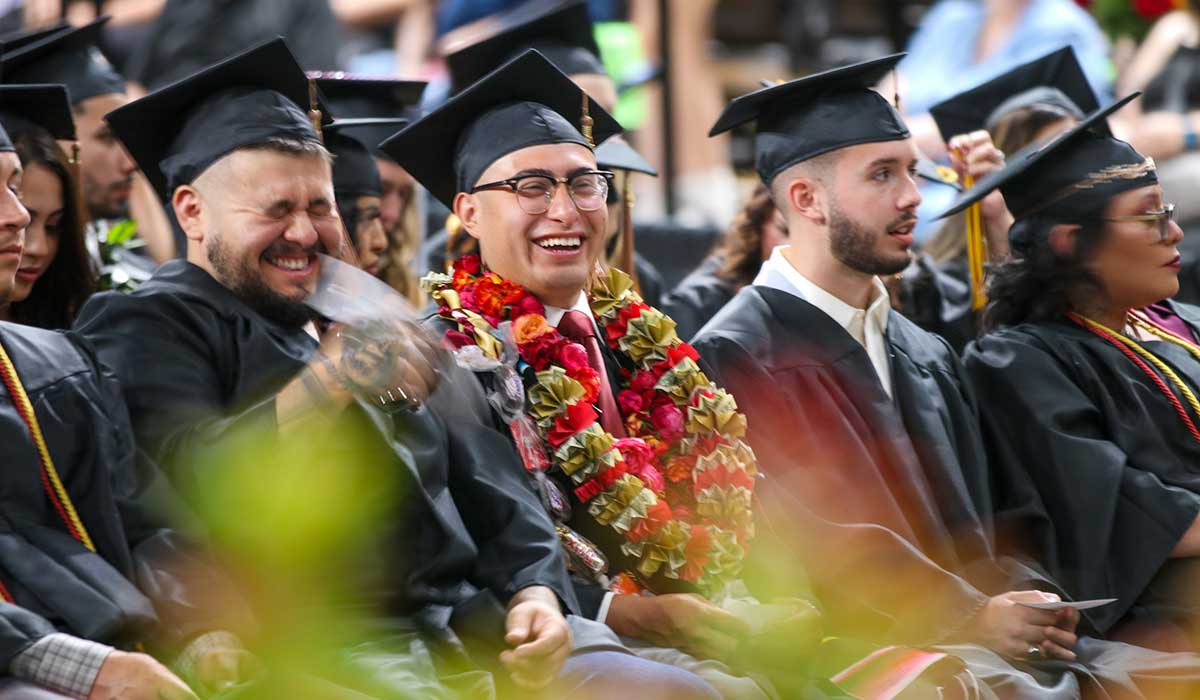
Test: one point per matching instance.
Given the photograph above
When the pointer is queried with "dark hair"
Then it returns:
(70, 277)
(1040, 284)
(348, 208)
(740, 249)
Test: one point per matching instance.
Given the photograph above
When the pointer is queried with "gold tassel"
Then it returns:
(314, 109)
(976, 249)
(585, 122)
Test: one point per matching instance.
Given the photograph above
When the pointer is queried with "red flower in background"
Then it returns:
(630, 402)
(667, 421)
(541, 351)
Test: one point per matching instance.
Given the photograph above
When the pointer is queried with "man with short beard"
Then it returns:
(864, 425)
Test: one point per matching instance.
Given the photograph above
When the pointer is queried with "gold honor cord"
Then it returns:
(976, 249)
(50, 479)
(1132, 345)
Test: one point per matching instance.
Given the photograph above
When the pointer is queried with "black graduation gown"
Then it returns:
(127, 590)
(887, 499)
(938, 299)
(697, 298)
(1096, 476)
(196, 363)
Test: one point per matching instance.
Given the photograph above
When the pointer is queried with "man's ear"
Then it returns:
(1064, 239)
(466, 208)
(806, 196)
(190, 212)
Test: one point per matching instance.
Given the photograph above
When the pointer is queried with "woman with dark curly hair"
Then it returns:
(732, 264)
(1088, 384)
(56, 274)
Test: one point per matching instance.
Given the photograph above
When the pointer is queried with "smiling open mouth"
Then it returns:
(560, 243)
(291, 263)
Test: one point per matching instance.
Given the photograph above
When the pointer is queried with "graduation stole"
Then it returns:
(51, 482)
(1140, 356)
(678, 489)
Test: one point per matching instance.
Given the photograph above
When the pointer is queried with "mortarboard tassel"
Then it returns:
(976, 249)
(585, 122)
(314, 110)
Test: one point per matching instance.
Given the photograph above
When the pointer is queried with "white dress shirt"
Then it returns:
(867, 326)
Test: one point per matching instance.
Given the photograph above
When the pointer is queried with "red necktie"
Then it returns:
(578, 327)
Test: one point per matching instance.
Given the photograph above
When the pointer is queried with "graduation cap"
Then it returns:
(354, 97)
(24, 107)
(616, 154)
(810, 116)
(68, 57)
(1068, 178)
(1055, 81)
(355, 173)
(175, 133)
(526, 102)
(937, 173)
(560, 30)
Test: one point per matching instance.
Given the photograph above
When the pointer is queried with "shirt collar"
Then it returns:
(554, 314)
(779, 274)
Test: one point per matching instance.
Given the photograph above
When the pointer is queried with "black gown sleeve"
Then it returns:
(178, 406)
(1067, 495)
(517, 544)
(871, 581)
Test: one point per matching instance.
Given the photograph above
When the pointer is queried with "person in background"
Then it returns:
(56, 275)
(112, 188)
(733, 264)
(381, 101)
(1028, 104)
(358, 189)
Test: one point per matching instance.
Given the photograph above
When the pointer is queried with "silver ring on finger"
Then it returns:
(1035, 653)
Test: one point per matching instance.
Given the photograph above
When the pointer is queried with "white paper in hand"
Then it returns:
(1077, 604)
(348, 295)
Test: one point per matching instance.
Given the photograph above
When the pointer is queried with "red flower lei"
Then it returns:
(679, 488)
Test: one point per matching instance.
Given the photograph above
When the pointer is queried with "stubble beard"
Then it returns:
(854, 245)
(244, 279)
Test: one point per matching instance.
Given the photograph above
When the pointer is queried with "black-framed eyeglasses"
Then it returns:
(1163, 217)
(588, 190)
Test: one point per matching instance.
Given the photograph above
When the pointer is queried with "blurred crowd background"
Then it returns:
(677, 62)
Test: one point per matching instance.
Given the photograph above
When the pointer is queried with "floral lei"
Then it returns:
(679, 488)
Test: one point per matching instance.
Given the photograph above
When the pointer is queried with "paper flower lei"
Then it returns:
(679, 488)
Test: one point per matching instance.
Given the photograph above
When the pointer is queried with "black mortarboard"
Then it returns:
(354, 170)
(526, 102)
(1055, 80)
(47, 107)
(616, 154)
(560, 30)
(68, 57)
(176, 132)
(353, 97)
(810, 116)
(1068, 178)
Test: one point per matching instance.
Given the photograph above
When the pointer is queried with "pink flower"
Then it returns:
(528, 304)
(630, 402)
(636, 452)
(573, 357)
(667, 421)
(643, 381)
